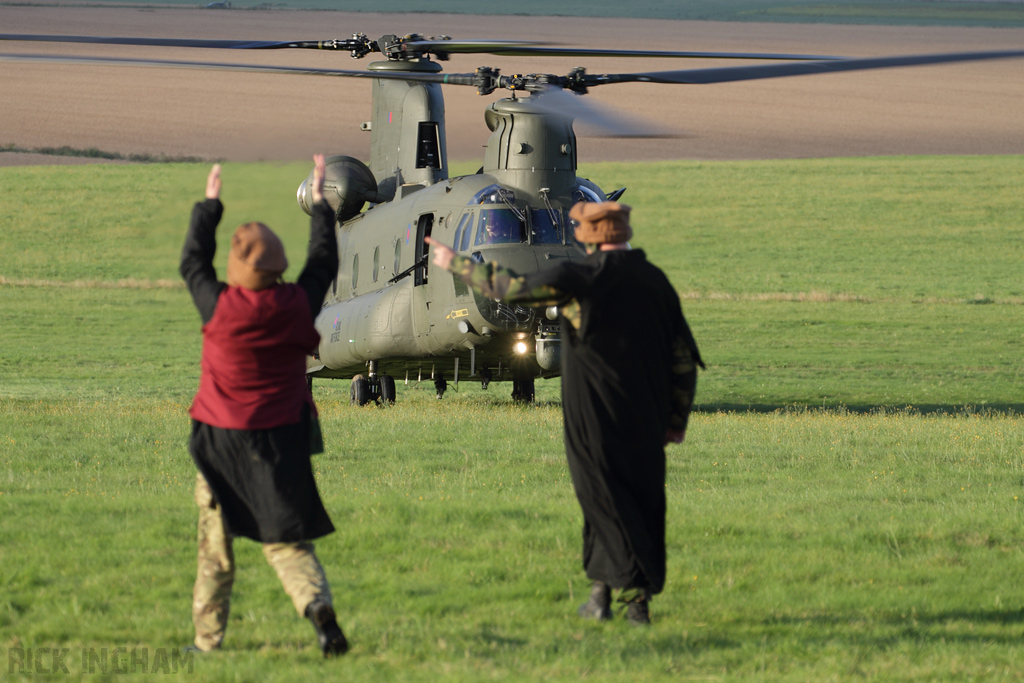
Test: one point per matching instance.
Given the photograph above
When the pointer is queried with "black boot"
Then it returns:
(331, 639)
(637, 612)
(599, 605)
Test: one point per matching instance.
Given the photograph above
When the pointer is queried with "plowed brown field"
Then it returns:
(973, 108)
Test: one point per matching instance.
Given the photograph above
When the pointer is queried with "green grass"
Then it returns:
(883, 229)
(905, 12)
(802, 545)
(872, 282)
(878, 538)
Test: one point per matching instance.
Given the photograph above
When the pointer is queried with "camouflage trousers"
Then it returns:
(296, 565)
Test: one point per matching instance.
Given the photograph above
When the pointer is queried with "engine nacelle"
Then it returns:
(348, 185)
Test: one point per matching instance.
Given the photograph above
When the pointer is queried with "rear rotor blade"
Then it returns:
(730, 74)
(597, 121)
(467, 47)
(531, 50)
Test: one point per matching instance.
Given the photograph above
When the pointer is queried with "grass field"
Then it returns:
(847, 505)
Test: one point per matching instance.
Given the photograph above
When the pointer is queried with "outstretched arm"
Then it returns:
(322, 256)
(545, 288)
(200, 245)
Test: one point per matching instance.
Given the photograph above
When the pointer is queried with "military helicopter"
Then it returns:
(387, 314)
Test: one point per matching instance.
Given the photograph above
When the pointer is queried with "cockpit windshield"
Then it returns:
(498, 226)
(545, 227)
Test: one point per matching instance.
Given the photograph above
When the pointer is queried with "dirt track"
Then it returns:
(950, 109)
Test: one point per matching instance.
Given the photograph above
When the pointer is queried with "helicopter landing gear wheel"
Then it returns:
(388, 394)
(440, 385)
(522, 389)
(485, 378)
(359, 393)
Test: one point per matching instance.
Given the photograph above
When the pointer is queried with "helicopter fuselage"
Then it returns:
(388, 311)
(389, 306)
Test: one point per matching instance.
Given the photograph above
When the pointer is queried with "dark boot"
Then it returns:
(331, 639)
(599, 605)
(637, 612)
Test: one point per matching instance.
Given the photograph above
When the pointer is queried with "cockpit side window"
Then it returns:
(467, 232)
(582, 193)
(467, 223)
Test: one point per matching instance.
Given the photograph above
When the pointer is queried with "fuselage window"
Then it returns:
(428, 146)
(398, 257)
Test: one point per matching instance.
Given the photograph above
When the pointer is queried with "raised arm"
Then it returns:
(200, 246)
(322, 256)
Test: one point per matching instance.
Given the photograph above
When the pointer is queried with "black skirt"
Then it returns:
(263, 480)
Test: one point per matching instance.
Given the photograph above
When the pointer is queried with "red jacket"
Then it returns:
(254, 359)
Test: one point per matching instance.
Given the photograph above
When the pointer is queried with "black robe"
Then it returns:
(628, 374)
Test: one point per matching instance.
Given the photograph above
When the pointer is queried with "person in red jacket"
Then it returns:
(254, 423)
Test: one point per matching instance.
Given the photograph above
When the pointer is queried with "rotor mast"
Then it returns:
(529, 150)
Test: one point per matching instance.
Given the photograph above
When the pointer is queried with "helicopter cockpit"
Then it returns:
(499, 220)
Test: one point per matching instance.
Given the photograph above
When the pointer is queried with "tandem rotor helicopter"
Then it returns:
(388, 315)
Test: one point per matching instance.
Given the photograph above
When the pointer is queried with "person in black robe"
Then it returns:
(629, 373)
(254, 423)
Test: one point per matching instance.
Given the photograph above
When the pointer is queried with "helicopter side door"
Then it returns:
(424, 226)
(422, 295)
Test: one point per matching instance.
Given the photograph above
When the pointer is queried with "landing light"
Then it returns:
(520, 347)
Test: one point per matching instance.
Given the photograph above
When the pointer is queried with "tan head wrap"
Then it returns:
(256, 259)
(602, 222)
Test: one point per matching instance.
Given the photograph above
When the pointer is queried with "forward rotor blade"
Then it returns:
(731, 74)
(487, 81)
(531, 50)
(214, 66)
(519, 48)
(597, 121)
(175, 42)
